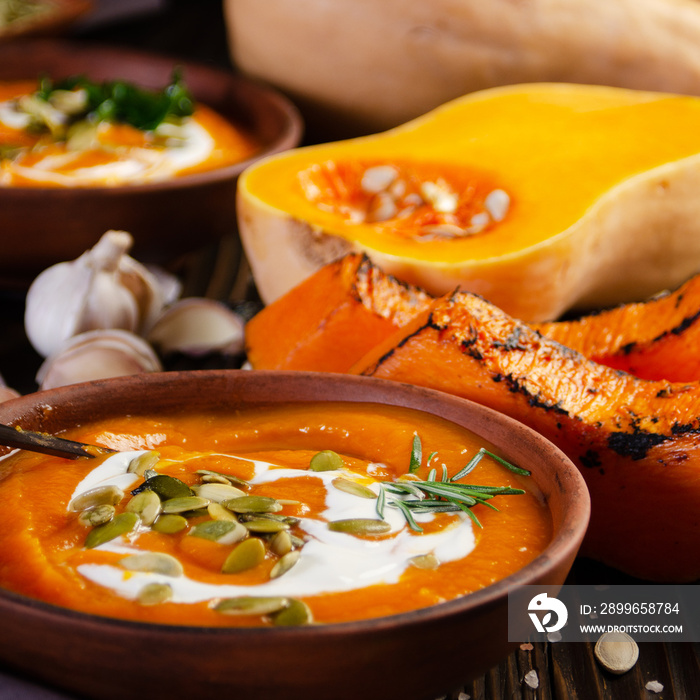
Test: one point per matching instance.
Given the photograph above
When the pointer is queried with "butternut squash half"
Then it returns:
(636, 442)
(541, 198)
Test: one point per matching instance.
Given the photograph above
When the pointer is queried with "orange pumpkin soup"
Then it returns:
(278, 515)
(88, 134)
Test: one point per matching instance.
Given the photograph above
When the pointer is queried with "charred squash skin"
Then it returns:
(637, 442)
(656, 339)
(333, 318)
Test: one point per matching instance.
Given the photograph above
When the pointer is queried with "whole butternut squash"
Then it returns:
(386, 62)
(541, 198)
(635, 441)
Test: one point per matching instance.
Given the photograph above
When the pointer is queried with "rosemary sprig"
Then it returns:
(443, 495)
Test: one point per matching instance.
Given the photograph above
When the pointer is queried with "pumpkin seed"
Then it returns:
(253, 504)
(326, 461)
(353, 487)
(285, 563)
(296, 613)
(288, 519)
(169, 523)
(281, 543)
(218, 493)
(360, 526)
(153, 562)
(221, 531)
(165, 486)
(251, 605)
(154, 594)
(119, 525)
(425, 561)
(99, 496)
(218, 512)
(247, 555)
(297, 542)
(265, 525)
(183, 504)
(146, 505)
(617, 652)
(150, 473)
(140, 464)
(220, 478)
(98, 515)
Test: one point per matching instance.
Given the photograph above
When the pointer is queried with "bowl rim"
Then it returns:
(562, 546)
(289, 137)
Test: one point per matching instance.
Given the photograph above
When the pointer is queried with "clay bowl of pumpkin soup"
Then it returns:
(273, 534)
(95, 138)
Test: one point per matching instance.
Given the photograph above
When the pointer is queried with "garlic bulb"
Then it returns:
(103, 288)
(97, 354)
(197, 326)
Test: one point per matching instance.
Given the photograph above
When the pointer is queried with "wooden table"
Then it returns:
(196, 31)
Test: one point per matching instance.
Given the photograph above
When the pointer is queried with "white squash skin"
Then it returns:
(640, 238)
(362, 66)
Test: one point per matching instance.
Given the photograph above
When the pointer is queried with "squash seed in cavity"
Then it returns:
(145, 461)
(425, 561)
(285, 563)
(354, 488)
(253, 504)
(247, 555)
(165, 486)
(97, 515)
(296, 613)
(154, 594)
(251, 605)
(326, 461)
(218, 512)
(265, 525)
(146, 505)
(280, 543)
(218, 493)
(221, 531)
(153, 562)
(184, 504)
(169, 523)
(360, 526)
(102, 495)
(119, 525)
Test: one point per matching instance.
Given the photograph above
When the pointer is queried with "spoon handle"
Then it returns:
(47, 444)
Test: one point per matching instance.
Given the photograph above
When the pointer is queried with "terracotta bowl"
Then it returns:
(42, 226)
(416, 655)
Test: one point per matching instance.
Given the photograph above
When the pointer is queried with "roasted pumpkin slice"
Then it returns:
(331, 319)
(539, 197)
(656, 339)
(637, 442)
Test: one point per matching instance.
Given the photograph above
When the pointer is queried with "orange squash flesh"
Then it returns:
(331, 319)
(656, 339)
(41, 543)
(637, 442)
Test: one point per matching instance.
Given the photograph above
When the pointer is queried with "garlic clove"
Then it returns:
(97, 354)
(198, 326)
(103, 288)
